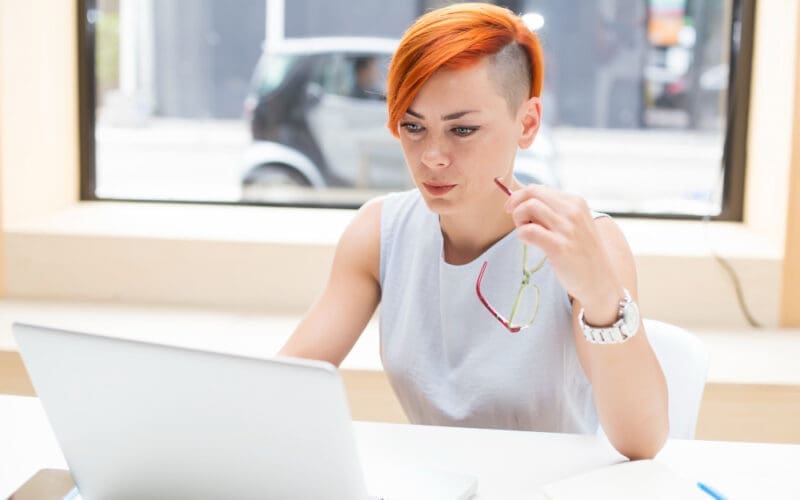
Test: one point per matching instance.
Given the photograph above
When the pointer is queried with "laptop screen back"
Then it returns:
(141, 420)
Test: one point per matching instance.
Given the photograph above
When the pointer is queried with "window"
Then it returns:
(195, 101)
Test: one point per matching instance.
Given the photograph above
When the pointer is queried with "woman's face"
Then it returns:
(459, 134)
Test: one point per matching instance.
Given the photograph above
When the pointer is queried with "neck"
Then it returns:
(471, 232)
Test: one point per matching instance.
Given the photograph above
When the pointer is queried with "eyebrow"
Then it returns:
(451, 116)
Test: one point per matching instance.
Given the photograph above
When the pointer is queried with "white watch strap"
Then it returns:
(613, 334)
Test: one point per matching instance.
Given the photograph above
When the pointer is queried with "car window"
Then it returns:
(361, 76)
(383, 70)
(272, 70)
(331, 74)
(366, 76)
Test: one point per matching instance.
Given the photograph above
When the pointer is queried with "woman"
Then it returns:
(464, 93)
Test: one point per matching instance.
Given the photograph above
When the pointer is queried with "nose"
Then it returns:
(435, 154)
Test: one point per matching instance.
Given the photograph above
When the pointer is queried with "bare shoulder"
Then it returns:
(360, 244)
(366, 225)
(370, 212)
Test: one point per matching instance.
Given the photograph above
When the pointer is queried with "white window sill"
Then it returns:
(278, 259)
(309, 226)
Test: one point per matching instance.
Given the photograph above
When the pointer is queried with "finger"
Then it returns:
(540, 236)
(557, 200)
(535, 210)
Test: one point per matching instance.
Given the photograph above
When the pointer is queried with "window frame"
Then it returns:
(734, 154)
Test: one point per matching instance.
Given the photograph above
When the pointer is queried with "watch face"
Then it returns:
(630, 318)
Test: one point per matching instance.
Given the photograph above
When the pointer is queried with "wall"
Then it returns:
(790, 292)
(39, 120)
(771, 118)
(2, 245)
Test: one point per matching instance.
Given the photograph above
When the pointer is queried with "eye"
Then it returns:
(464, 131)
(412, 128)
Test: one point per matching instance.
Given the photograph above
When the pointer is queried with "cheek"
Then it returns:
(409, 150)
(407, 144)
(499, 145)
(413, 149)
(486, 147)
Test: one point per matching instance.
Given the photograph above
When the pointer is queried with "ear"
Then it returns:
(530, 117)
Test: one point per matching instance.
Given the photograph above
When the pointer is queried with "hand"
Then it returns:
(561, 224)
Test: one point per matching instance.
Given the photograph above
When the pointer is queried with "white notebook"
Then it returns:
(629, 480)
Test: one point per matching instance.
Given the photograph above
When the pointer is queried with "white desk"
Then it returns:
(509, 464)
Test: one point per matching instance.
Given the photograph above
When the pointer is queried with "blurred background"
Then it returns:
(196, 100)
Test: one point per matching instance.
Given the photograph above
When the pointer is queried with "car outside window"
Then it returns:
(272, 72)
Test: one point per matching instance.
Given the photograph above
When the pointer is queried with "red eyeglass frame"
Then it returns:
(499, 317)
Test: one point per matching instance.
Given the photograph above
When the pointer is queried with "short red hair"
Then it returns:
(455, 37)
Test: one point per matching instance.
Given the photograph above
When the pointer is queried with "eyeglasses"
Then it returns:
(524, 283)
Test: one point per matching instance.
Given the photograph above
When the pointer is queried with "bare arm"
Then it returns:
(332, 325)
(593, 263)
(629, 388)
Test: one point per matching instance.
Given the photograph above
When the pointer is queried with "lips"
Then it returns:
(438, 189)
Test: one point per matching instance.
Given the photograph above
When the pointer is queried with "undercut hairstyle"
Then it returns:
(510, 71)
(458, 37)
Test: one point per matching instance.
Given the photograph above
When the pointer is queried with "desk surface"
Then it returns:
(508, 464)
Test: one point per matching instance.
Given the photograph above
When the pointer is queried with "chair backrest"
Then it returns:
(684, 361)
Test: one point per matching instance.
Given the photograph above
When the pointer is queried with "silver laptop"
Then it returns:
(143, 420)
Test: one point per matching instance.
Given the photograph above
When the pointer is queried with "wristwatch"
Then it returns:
(625, 327)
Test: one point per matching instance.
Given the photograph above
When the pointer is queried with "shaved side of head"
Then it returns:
(510, 71)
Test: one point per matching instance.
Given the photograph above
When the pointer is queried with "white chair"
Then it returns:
(684, 361)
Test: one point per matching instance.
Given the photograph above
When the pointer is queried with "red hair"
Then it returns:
(455, 37)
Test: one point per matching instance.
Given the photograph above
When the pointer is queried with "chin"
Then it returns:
(439, 205)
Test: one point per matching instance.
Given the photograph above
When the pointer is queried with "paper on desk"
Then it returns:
(421, 483)
(629, 480)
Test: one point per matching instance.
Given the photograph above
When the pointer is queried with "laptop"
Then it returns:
(143, 420)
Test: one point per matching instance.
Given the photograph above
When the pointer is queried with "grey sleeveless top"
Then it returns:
(449, 361)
